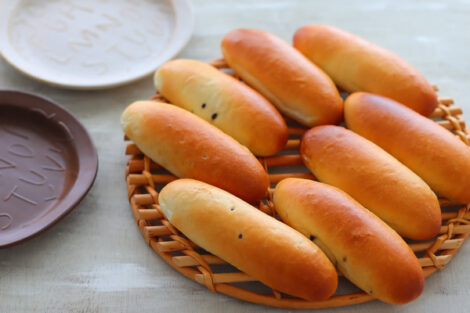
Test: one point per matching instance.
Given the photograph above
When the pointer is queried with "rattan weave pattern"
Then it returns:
(145, 178)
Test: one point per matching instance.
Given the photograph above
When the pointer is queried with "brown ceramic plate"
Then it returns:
(47, 164)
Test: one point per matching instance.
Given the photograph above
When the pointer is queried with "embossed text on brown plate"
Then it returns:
(47, 164)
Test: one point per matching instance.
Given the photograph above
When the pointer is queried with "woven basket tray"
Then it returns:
(145, 178)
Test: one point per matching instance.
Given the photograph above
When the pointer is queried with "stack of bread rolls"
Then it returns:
(377, 177)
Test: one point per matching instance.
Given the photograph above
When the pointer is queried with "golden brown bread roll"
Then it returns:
(227, 103)
(429, 150)
(365, 249)
(294, 85)
(355, 64)
(252, 241)
(374, 178)
(188, 146)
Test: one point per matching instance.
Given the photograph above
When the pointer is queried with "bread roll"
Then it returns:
(368, 252)
(252, 241)
(355, 64)
(374, 178)
(429, 150)
(293, 84)
(188, 146)
(227, 103)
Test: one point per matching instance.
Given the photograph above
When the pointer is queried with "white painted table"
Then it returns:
(95, 260)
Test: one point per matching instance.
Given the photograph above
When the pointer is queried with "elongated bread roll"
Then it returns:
(190, 147)
(294, 85)
(374, 178)
(252, 241)
(355, 64)
(365, 249)
(429, 150)
(225, 102)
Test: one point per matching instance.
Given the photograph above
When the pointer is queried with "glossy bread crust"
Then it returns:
(355, 64)
(432, 152)
(225, 102)
(294, 85)
(368, 252)
(188, 146)
(374, 178)
(252, 241)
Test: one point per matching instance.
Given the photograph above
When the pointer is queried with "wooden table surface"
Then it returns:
(95, 259)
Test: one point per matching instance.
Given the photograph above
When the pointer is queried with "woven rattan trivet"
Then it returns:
(145, 178)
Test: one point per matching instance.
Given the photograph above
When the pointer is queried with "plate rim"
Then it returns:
(182, 31)
(80, 190)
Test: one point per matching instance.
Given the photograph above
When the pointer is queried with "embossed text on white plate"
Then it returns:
(88, 38)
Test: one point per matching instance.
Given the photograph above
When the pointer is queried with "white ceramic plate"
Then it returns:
(92, 44)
